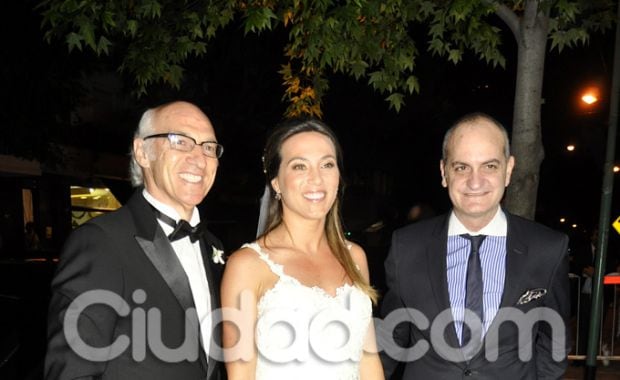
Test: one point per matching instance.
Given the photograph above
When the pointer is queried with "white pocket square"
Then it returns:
(531, 295)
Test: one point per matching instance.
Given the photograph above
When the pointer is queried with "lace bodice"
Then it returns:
(304, 333)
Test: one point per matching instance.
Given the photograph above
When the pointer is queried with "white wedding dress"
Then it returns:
(304, 333)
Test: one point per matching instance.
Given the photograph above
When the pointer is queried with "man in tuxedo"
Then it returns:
(469, 282)
(134, 291)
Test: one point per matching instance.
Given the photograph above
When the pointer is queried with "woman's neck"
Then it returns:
(306, 236)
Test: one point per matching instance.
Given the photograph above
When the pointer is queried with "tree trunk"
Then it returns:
(526, 146)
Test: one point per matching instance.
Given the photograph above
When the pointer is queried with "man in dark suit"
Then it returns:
(134, 290)
(468, 283)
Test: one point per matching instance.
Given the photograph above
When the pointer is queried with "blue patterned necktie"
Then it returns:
(474, 291)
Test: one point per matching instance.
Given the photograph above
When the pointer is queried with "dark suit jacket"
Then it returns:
(536, 258)
(122, 252)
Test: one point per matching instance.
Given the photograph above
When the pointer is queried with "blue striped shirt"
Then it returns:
(493, 262)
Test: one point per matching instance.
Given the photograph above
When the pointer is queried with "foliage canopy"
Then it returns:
(373, 40)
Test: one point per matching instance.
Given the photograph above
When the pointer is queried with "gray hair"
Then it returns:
(145, 128)
(470, 118)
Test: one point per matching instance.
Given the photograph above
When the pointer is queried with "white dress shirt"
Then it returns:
(493, 263)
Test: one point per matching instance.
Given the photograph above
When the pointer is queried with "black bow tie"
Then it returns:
(181, 229)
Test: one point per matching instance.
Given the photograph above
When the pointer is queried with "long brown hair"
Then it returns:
(333, 226)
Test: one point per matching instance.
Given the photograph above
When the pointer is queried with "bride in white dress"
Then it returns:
(297, 301)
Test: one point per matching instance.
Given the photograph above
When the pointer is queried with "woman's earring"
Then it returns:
(278, 196)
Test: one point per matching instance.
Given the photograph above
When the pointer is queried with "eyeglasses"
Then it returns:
(187, 144)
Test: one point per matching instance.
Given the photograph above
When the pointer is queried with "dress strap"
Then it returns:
(275, 268)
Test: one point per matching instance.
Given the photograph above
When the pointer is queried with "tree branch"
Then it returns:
(535, 18)
(507, 15)
(530, 15)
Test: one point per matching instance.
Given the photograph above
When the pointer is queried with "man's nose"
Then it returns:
(197, 157)
(475, 179)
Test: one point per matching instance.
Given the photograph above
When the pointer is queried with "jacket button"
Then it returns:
(468, 372)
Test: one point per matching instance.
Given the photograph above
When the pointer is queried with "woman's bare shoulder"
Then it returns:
(359, 257)
(245, 258)
(357, 252)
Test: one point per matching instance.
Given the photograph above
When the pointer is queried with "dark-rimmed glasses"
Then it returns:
(186, 144)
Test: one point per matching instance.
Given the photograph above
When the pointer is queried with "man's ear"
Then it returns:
(442, 168)
(509, 166)
(140, 153)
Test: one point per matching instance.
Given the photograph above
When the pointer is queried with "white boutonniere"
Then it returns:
(217, 256)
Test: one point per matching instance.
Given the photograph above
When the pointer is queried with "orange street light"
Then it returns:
(616, 168)
(562, 220)
(570, 147)
(589, 98)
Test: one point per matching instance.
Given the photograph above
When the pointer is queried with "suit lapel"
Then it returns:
(516, 261)
(161, 254)
(157, 248)
(435, 254)
(438, 274)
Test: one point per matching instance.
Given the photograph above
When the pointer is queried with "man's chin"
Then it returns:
(477, 212)
(192, 200)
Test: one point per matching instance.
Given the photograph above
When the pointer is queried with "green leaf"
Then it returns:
(150, 9)
(74, 40)
(174, 75)
(396, 101)
(427, 8)
(108, 20)
(197, 31)
(436, 46)
(358, 68)
(405, 61)
(211, 31)
(132, 27)
(437, 29)
(103, 45)
(200, 48)
(376, 79)
(258, 19)
(87, 30)
(455, 56)
(412, 84)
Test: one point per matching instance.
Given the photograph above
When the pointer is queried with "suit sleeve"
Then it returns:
(388, 336)
(87, 264)
(549, 348)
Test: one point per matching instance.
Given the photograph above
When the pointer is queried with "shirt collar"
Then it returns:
(170, 211)
(498, 226)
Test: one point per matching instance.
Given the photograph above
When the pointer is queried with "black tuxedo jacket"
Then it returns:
(120, 253)
(536, 258)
